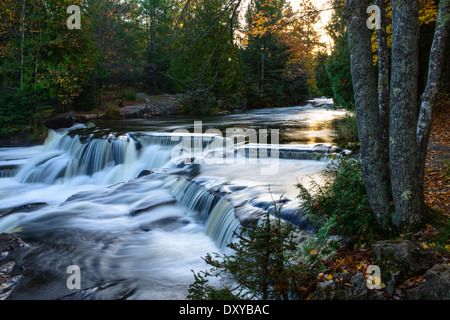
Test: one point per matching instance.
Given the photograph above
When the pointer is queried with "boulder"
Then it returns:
(29, 207)
(399, 261)
(353, 288)
(435, 287)
(65, 120)
(9, 278)
(9, 242)
(144, 173)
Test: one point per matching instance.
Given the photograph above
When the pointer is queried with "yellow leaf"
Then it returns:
(329, 277)
(424, 245)
(313, 252)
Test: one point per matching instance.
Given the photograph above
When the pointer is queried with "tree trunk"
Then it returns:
(372, 151)
(403, 118)
(22, 42)
(383, 73)
(435, 67)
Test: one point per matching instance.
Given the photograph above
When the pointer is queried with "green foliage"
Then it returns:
(337, 65)
(340, 199)
(323, 83)
(266, 263)
(17, 111)
(206, 62)
(129, 94)
(265, 59)
(347, 133)
(338, 70)
(199, 102)
(112, 112)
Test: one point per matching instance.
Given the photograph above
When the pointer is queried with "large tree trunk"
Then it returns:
(372, 151)
(406, 193)
(383, 72)
(429, 96)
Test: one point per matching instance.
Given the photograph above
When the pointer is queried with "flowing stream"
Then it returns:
(137, 203)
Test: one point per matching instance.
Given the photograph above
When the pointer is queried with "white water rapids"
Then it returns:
(78, 200)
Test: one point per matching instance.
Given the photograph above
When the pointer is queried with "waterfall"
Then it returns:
(292, 152)
(8, 171)
(215, 212)
(222, 223)
(136, 204)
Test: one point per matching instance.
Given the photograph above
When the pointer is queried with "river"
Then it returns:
(135, 204)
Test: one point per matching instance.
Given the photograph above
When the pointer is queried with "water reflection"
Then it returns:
(297, 125)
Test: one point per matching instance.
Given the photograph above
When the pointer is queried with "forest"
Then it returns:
(254, 54)
(388, 70)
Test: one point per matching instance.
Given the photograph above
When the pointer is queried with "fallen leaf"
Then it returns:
(424, 245)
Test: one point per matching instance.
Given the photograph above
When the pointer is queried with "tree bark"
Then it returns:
(383, 73)
(22, 42)
(372, 151)
(403, 114)
(435, 67)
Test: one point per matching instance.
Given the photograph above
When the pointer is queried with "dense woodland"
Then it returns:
(254, 54)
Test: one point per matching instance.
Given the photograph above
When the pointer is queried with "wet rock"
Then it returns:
(150, 204)
(166, 224)
(399, 261)
(9, 242)
(346, 288)
(358, 286)
(19, 140)
(29, 207)
(144, 173)
(8, 278)
(435, 287)
(65, 120)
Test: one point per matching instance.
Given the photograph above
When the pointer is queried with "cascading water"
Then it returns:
(132, 213)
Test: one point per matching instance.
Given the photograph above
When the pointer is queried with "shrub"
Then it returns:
(201, 102)
(266, 263)
(130, 94)
(112, 112)
(346, 134)
(340, 199)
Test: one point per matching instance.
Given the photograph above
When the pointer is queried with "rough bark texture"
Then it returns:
(372, 151)
(383, 73)
(437, 56)
(403, 97)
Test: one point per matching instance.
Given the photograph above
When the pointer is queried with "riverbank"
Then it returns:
(415, 265)
(142, 107)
